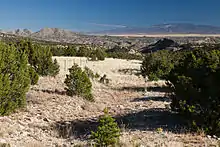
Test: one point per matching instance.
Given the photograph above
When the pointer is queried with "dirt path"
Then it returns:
(54, 119)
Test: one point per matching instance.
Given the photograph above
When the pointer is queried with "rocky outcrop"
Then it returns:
(162, 44)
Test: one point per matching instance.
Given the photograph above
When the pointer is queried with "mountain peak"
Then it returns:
(19, 32)
(54, 34)
(22, 32)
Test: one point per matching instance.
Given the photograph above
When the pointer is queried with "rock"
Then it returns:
(121, 106)
(57, 145)
(5, 119)
(45, 119)
(2, 141)
(28, 119)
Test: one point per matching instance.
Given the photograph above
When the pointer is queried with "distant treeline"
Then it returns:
(93, 52)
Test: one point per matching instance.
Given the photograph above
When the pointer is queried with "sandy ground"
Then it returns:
(55, 120)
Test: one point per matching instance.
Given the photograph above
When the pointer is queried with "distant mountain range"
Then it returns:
(43, 33)
(57, 35)
(99, 38)
(47, 34)
(172, 28)
(19, 32)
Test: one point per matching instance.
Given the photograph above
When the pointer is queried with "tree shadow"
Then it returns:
(162, 99)
(146, 120)
(152, 119)
(56, 91)
(79, 129)
(130, 71)
(133, 88)
(164, 89)
(159, 89)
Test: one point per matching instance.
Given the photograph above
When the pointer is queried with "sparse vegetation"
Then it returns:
(104, 79)
(195, 96)
(90, 73)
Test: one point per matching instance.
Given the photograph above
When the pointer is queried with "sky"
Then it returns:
(96, 15)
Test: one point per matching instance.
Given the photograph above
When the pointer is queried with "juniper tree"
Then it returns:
(14, 78)
(78, 83)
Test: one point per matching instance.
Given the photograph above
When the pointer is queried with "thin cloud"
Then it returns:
(108, 25)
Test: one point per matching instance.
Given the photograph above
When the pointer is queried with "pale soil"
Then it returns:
(53, 119)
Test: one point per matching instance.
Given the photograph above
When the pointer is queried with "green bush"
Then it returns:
(14, 78)
(100, 54)
(57, 51)
(97, 54)
(78, 83)
(54, 69)
(39, 57)
(195, 83)
(157, 65)
(124, 55)
(33, 76)
(90, 73)
(70, 51)
(107, 133)
(43, 63)
(83, 51)
(97, 75)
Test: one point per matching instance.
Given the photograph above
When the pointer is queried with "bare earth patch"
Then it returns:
(53, 119)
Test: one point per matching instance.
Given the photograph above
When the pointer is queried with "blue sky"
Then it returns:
(94, 15)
